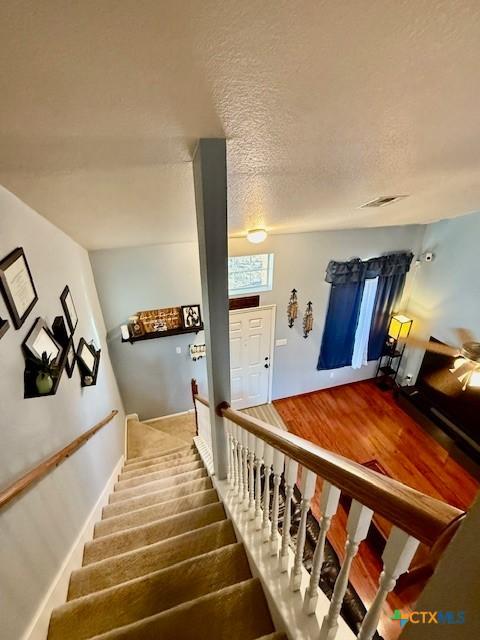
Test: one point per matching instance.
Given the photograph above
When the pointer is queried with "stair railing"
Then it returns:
(415, 516)
(40, 470)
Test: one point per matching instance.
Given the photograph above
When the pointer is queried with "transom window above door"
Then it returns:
(250, 274)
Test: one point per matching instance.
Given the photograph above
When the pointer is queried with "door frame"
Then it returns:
(273, 309)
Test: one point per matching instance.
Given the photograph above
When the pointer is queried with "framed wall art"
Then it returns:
(191, 317)
(40, 340)
(17, 286)
(69, 309)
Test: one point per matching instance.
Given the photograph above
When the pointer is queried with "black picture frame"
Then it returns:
(191, 316)
(23, 282)
(40, 328)
(68, 306)
(4, 327)
(70, 358)
(88, 368)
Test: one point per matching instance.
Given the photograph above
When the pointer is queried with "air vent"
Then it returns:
(382, 201)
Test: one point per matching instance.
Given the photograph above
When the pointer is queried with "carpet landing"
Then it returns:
(164, 559)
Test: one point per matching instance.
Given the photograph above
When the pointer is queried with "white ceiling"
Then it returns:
(325, 105)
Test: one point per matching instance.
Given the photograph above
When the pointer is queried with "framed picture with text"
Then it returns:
(17, 286)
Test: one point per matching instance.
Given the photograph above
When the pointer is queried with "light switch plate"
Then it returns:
(178, 349)
(281, 342)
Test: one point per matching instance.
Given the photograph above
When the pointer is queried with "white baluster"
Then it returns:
(239, 492)
(278, 462)
(359, 518)
(291, 471)
(259, 448)
(228, 445)
(251, 476)
(245, 469)
(267, 461)
(307, 488)
(233, 428)
(397, 555)
(328, 507)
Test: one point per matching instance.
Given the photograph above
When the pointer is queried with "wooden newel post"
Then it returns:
(194, 387)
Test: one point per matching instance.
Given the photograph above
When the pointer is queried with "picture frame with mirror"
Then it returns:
(41, 340)
(88, 360)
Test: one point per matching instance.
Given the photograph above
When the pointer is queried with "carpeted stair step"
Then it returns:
(157, 485)
(115, 543)
(160, 555)
(161, 453)
(149, 595)
(238, 612)
(151, 476)
(155, 512)
(159, 466)
(171, 457)
(165, 495)
(142, 438)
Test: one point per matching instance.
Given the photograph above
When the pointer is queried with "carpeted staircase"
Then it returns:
(164, 561)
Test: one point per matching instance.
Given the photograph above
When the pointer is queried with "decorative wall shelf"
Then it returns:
(30, 374)
(163, 334)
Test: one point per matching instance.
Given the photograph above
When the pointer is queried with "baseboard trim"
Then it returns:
(57, 593)
(171, 415)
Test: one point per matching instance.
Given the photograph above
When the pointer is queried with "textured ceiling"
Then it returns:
(325, 105)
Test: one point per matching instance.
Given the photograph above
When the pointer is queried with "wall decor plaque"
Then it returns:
(17, 286)
(161, 319)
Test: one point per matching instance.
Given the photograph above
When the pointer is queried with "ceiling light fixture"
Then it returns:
(256, 235)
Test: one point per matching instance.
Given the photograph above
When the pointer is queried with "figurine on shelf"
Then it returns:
(308, 320)
(292, 309)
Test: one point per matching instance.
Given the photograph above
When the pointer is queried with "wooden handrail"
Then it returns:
(417, 514)
(35, 474)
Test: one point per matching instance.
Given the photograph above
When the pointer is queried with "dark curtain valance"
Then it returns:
(356, 270)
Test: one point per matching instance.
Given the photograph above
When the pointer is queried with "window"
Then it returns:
(250, 274)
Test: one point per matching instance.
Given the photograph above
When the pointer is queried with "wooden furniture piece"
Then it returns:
(40, 470)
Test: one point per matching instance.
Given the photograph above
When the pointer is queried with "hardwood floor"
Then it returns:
(363, 423)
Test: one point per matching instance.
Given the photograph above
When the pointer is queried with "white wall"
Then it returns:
(300, 263)
(38, 529)
(154, 380)
(446, 292)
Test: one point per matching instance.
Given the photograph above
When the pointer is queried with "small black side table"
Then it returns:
(389, 364)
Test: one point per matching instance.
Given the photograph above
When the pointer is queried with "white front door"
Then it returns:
(250, 356)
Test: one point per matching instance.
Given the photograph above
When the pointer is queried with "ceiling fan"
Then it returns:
(466, 367)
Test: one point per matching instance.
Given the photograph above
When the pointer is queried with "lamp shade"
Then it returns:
(399, 327)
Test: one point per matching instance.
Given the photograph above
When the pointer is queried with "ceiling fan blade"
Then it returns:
(464, 335)
(435, 347)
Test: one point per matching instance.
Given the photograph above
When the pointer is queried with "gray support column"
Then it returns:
(210, 178)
